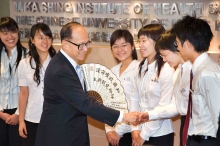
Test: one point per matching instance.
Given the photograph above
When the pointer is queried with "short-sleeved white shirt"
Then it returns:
(35, 97)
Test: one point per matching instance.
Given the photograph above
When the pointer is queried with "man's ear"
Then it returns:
(64, 44)
(189, 46)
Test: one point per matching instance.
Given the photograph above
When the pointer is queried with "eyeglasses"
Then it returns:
(115, 47)
(164, 56)
(81, 46)
(175, 44)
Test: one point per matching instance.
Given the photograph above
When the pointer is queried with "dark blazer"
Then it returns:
(66, 106)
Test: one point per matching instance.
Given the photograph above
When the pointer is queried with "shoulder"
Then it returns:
(25, 61)
(116, 68)
(135, 64)
(166, 68)
(58, 66)
(210, 68)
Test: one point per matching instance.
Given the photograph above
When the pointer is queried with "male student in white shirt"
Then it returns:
(193, 37)
(166, 45)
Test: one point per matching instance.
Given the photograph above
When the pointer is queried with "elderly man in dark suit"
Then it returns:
(66, 104)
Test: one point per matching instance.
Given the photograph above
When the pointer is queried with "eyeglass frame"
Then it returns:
(164, 56)
(122, 46)
(78, 45)
(175, 44)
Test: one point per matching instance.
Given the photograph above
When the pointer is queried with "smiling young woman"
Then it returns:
(11, 53)
(31, 76)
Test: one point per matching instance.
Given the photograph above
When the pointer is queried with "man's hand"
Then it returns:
(132, 117)
(136, 138)
(12, 120)
(113, 138)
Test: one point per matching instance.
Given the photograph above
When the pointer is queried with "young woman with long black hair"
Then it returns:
(31, 76)
(152, 88)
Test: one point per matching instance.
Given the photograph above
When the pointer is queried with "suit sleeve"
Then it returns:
(69, 89)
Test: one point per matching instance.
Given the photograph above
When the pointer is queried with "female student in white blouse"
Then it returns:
(166, 45)
(122, 46)
(31, 72)
(11, 52)
(152, 88)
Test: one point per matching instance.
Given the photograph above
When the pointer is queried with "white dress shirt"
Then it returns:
(74, 64)
(35, 97)
(179, 103)
(126, 81)
(205, 97)
(151, 92)
(9, 89)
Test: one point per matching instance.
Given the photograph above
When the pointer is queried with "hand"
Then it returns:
(22, 129)
(4, 116)
(135, 134)
(12, 120)
(113, 138)
(132, 117)
(136, 139)
(144, 117)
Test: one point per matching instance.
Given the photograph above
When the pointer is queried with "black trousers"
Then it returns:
(126, 140)
(31, 134)
(9, 135)
(181, 129)
(191, 142)
(218, 137)
(165, 140)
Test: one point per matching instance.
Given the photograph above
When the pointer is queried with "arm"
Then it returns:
(164, 112)
(23, 99)
(69, 89)
(3, 116)
(134, 98)
(210, 89)
(23, 96)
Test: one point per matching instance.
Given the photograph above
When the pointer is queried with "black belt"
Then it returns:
(200, 137)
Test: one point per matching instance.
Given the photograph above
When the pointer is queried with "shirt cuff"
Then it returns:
(120, 117)
(144, 135)
(134, 128)
(153, 115)
(109, 128)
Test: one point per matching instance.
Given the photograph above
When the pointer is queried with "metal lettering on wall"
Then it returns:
(108, 16)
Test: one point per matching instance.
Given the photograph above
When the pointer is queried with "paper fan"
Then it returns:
(104, 86)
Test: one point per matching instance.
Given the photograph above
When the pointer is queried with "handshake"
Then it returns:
(135, 118)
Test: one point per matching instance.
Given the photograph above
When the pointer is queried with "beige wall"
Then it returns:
(4, 8)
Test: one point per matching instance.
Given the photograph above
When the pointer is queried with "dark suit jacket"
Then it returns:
(66, 106)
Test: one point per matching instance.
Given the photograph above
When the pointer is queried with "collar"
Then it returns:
(74, 64)
(130, 66)
(12, 51)
(186, 64)
(150, 66)
(199, 61)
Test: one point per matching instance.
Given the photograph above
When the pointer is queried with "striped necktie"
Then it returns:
(79, 73)
(189, 110)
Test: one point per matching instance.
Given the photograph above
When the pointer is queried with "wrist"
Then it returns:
(1, 112)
